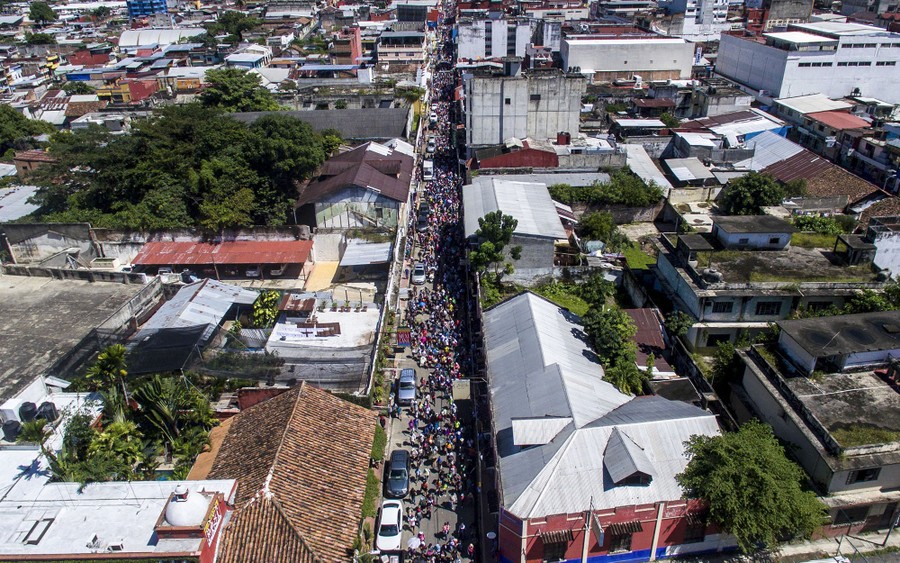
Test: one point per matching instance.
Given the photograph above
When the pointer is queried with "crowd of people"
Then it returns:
(442, 444)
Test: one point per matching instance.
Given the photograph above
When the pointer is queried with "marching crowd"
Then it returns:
(442, 444)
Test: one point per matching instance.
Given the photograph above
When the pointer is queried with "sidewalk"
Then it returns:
(824, 550)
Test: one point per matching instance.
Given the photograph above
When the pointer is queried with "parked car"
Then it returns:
(390, 526)
(406, 387)
(397, 483)
(418, 274)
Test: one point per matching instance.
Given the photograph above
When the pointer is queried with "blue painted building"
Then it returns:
(144, 8)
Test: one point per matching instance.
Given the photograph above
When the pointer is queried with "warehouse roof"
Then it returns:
(229, 252)
(529, 203)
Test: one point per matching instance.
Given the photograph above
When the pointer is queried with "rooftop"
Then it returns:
(529, 203)
(792, 265)
(32, 310)
(839, 120)
(283, 449)
(750, 224)
(812, 103)
(845, 334)
(228, 252)
(14, 202)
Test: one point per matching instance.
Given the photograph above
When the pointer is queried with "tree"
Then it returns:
(234, 23)
(754, 492)
(33, 432)
(77, 88)
(611, 332)
(749, 194)
(101, 13)
(15, 128)
(495, 231)
(626, 377)
(669, 120)
(596, 290)
(41, 12)
(236, 90)
(265, 309)
(109, 369)
(120, 445)
(40, 39)
(678, 323)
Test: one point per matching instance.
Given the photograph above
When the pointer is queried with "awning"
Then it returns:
(623, 528)
(557, 536)
(366, 254)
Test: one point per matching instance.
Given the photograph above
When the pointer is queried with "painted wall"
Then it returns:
(653, 59)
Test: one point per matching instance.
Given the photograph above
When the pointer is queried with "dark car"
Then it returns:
(397, 483)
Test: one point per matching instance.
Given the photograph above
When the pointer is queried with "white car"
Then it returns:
(427, 170)
(433, 118)
(432, 145)
(418, 274)
(390, 527)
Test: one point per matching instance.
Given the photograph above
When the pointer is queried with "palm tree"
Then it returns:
(109, 369)
(33, 432)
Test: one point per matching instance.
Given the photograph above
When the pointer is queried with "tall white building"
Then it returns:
(483, 38)
(535, 104)
(704, 20)
(610, 56)
(835, 59)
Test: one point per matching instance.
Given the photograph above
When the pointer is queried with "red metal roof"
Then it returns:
(839, 120)
(237, 252)
(654, 103)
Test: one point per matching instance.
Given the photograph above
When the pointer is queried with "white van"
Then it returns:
(427, 170)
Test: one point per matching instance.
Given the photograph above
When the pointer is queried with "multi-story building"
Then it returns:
(536, 104)
(486, 38)
(746, 274)
(704, 20)
(626, 54)
(401, 48)
(829, 389)
(145, 8)
(831, 58)
(851, 7)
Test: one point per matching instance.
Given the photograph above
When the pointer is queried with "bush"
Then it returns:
(822, 225)
(624, 188)
(379, 443)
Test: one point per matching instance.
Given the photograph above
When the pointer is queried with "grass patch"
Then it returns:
(369, 507)
(702, 363)
(379, 443)
(638, 259)
(563, 295)
(860, 435)
(813, 240)
(493, 293)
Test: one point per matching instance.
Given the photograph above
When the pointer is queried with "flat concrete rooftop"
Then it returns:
(855, 408)
(795, 264)
(41, 319)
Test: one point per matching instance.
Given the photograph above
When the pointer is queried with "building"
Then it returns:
(704, 20)
(829, 388)
(230, 259)
(776, 15)
(579, 465)
(28, 161)
(628, 54)
(144, 8)
(535, 104)
(884, 233)
(741, 286)
(401, 48)
(488, 38)
(831, 58)
(538, 228)
(367, 186)
(854, 7)
(567, 153)
(296, 490)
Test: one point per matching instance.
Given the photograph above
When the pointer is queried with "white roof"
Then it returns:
(761, 122)
(577, 41)
(769, 148)
(799, 37)
(201, 303)
(189, 71)
(686, 169)
(272, 75)
(843, 28)
(529, 203)
(244, 57)
(14, 201)
(640, 123)
(698, 139)
(641, 164)
(138, 37)
(362, 253)
(812, 103)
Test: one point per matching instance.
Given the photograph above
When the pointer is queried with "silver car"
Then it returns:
(406, 387)
(418, 274)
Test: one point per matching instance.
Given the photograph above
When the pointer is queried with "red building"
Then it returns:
(582, 470)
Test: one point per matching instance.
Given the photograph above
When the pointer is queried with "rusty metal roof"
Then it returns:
(236, 252)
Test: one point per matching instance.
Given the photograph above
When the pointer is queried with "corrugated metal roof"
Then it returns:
(232, 252)
(529, 203)
(812, 103)
(359, 253)
(134, 38)
(202, 303)
(14, 202)
(537, 431)
(769, 148)
(623, 457)
(576, 476)
(642, 165)
(685, 169)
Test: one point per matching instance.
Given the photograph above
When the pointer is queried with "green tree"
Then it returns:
(495, 231)
(611, 332)
(108, 371)
(41, 12)
(754, 492)
(15, 128)
(596, 290)
(39, 39)
(234, 23)
(601, 226)
(626, 377)
(78, 88)
(101, 13)
(265, 309)
(33, 432)
(678, 323)
(669, 120)
(119, 445)
(868, 301)
(749, 194)
(236, 90)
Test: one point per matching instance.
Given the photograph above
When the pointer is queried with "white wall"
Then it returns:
(887, 255)
(633, 55)
(796, 352)
(767, 68)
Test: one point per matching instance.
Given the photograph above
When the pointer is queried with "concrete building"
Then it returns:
(831, 58)
(535, 104)
(781, 13)
(752, 232)
(704, 20)
(884, 233)
(144, 8)
(401, 48)
(852, 7)
(627, 56)
(486, 38)
(740, 290)
(538, 228)
(828, 387)
(580, 467)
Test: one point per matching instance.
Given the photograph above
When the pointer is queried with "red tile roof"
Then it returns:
(823, 178)
(309, 451)
(33, 156)
(234, 252)
(261, 532)
(885, 208)
(839, 120)
(389, 174)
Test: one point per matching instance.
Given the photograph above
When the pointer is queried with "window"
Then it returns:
(818, 305)
(775, 240)
(844, 64)
(768, 308)
(850, 515)
(723, 306)
(535, 97)
(555, 551)
(744, 240)
(803, 65)
(863, 475)
(618, 544)
(695, 532)
(886, 63)
(507, 101)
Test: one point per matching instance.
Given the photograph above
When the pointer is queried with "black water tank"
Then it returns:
(48, 411)
(11, 430)
(27, 412)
